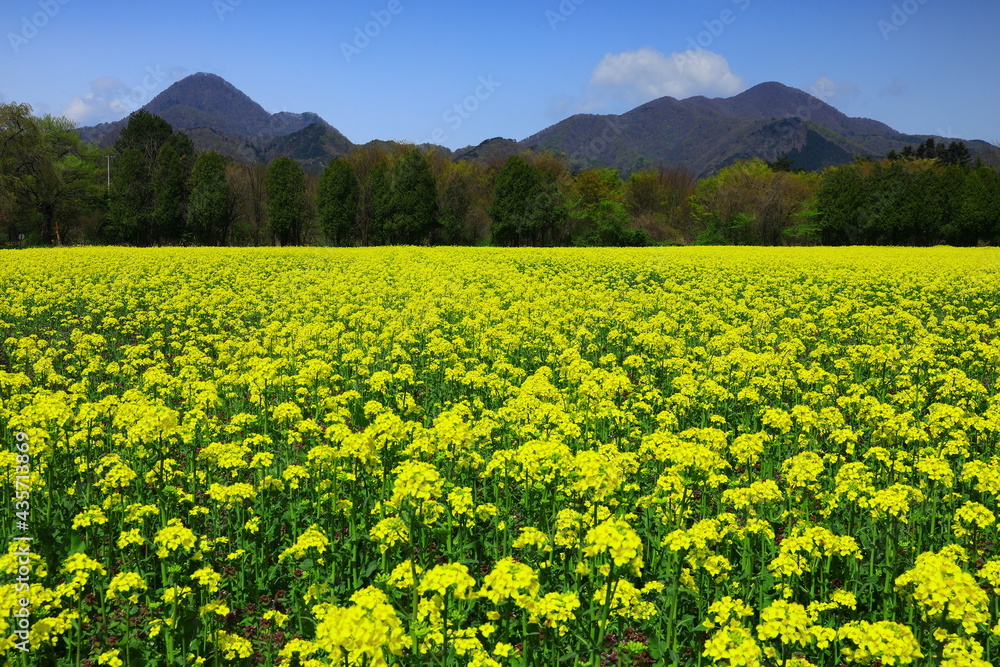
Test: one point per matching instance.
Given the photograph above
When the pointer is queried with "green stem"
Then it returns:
(672, 632)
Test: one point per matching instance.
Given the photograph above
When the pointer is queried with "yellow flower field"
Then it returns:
(672, 456)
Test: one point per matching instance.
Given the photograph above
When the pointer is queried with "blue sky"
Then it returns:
(465, 71)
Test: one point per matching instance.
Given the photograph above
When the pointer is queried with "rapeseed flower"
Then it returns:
(175, 536)
(619, 539)
(942, 590)
(388, 532)
(787, 621)
(971, 514)
(416, 482)
(312, 538)
(450, 575)
(124, 582)
(510, 580)
(889, 642)
(367, 629)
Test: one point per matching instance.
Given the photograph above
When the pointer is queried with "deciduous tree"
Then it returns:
(286, 200)
(208, 207)
(169, 195)
(413, 202)
(338, 201)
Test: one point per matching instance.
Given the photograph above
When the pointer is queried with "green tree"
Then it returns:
(594, 186)
(527, 207)
(130, 204)
(60, 187)
(957, 153)
(977, 208)
(608, 224)
(926, 150)
(925, 204)
(379, 203)
(364, 160)
(132, 197)
(338, 201)
(597, 199)
(748, 203)
(248, 189)
(144, 132)
(463, 191)
(286, 200)
(783, 163)
(413, 202)
(883, 217)
(659, 202)
(169, 195)
(208, 206)
(184, 147)
(20, 149)
(515, 219)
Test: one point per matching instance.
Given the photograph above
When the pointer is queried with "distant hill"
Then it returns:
(702, 134)
(313, 146)
(219, 117)
(497, 148)
(767, 121)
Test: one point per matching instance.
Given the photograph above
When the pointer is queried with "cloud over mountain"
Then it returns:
(636, 77)
(110, 98)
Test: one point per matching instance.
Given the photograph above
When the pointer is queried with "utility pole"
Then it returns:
(109, 156)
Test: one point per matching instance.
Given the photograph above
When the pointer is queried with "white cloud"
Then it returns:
(559, 106)
(107, 84)
(112, 99)
(895, 89)
(827, 89)
(91, 108)
(103, 103)
(639, 76)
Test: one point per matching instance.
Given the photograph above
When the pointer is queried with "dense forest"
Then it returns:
(152, 188)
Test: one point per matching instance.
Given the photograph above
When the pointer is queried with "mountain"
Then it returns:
(219, 117)
(491, 150)
(313, 146)
(207, 100)
(702, 134)
(767, 121)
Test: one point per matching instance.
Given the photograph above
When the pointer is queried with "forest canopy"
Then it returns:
(153, 188)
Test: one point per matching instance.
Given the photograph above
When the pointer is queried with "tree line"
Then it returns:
(153, 188)
(917, 198)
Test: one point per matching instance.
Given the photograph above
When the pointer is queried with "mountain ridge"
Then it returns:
(769, 120)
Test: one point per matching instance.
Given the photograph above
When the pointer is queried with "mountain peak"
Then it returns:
(207, 75)
(776, 100)
(771, 87)
(768, 120)
(219, 116)
(208, 100)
